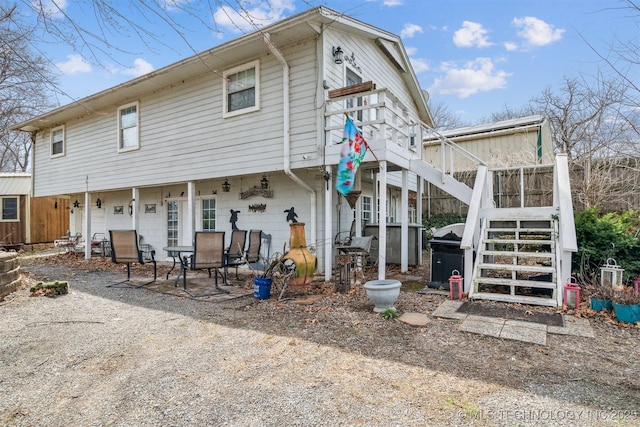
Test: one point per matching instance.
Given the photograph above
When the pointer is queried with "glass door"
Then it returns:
(173, 223)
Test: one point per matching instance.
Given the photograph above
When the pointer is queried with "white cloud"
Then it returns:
(471, 34)
(391, 3)
(140, 67)
(251, 19)
(536, 32)
(50, 8)
(73, 65)
(510, 46)
(476, 76)
(419, 65)
(410, 30)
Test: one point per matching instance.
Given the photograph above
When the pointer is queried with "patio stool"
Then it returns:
(343, 279)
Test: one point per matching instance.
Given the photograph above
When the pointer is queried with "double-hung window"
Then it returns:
(242, 89)
(57, 141)
(128, 127)
(10, 209)
(208, 214)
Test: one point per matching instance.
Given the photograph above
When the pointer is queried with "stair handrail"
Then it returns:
(446, 142)
(562, 199)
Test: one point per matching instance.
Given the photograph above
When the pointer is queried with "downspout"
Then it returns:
(287, 136)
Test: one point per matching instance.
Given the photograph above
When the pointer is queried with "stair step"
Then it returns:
(520, 241)
(512, 267)
(520, 230)
(522, 299)
(520, 283)
(520, 254)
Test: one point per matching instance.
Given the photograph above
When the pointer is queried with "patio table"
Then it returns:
(176, 252)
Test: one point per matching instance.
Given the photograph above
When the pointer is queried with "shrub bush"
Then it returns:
(604, 236)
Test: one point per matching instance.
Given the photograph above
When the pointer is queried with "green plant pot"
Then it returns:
(629, 313)
(598, 304)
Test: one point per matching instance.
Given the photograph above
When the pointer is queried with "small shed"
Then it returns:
(25, 219)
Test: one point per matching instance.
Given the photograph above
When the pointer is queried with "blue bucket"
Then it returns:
(261, 287)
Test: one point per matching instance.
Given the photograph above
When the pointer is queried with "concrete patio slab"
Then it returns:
(535, 333)
(448, 310)
(576, 326)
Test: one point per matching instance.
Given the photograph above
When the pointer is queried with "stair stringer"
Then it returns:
(545, 216)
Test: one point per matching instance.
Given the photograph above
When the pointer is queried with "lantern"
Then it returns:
(611, 274)
(572, 293)
(635, 285)
(455, 285)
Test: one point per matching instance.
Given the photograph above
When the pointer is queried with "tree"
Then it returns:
(590, 123)
(443, 118)
(24, 84)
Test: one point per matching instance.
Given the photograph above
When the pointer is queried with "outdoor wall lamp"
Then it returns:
(226, 186)
(264, 182)
(337, 55)
(76, 204)
(99, 203)
(55, 205)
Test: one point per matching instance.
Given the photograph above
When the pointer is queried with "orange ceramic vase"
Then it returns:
(304, 260)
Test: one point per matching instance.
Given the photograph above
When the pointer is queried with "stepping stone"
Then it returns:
(414, 319)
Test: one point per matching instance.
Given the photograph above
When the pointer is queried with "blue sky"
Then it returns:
(474, 56)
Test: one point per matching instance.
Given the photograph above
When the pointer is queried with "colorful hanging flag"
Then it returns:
(353, 151)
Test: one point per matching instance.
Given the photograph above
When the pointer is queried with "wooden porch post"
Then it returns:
(382, 222)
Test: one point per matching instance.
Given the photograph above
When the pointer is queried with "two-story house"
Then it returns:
(248, 135)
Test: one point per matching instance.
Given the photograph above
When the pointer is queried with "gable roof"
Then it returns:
(505, 126)
(282, 33)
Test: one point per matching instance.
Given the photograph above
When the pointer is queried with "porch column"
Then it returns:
(357, 209)
(86, 226)
(328, 221)
(135, 212)
(404, 223)
(382, 222)
(190, 223)
(419, 191)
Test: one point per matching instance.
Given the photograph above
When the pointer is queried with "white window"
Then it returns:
(242, 89)
(366, 209)
(208, 214)
(128, 127)
(353, 79)
(57, 142)
(10, 209)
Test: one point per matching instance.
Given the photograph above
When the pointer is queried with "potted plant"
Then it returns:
(599, 296)
(626, 304)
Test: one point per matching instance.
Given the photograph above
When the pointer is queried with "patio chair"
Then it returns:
(235, 251)
(208, 254)
(125, 250)
(252, 254)
(359, 250)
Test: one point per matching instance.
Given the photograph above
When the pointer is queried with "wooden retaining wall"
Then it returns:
(9, 273)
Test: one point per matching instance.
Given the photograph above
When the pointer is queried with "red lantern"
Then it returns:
(455, 285)
(572, 293)
(635, 285)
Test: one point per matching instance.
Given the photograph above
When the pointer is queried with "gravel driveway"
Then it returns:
(131, 357)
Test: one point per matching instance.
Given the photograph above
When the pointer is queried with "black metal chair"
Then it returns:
(208, 254)
(125, 250)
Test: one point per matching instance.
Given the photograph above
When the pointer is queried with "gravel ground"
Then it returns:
(131, 357)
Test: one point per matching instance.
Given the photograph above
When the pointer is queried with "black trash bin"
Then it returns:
(446, 255)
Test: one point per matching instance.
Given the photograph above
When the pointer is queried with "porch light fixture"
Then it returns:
(76, 204)
(337, 55)
(55, 205)
(98, 203)
(264, 182)
(226, 186)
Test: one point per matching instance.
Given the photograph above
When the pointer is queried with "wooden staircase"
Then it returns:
(516, 260)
